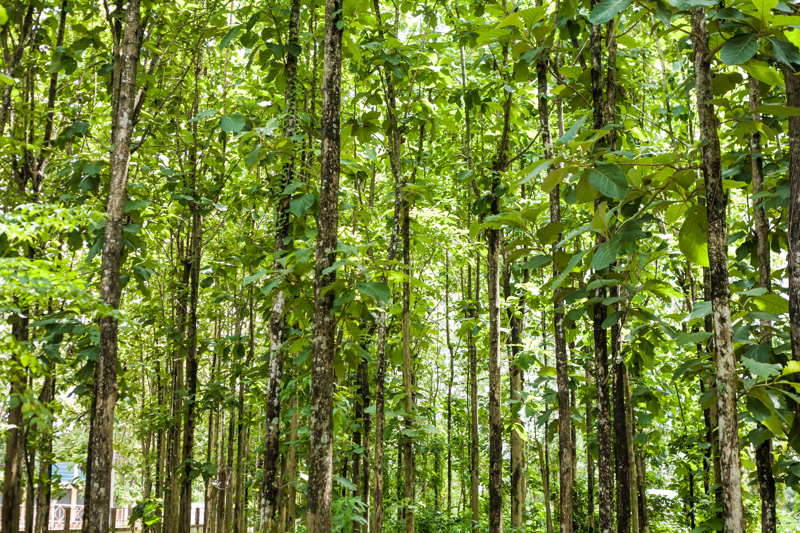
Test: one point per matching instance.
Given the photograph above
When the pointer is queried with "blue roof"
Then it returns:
(66, 472)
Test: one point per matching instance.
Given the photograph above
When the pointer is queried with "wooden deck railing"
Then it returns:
(64, 517)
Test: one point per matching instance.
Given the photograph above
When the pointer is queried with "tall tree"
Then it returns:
(716, 200)
(566, 475)
(792, 80)
(320, 459)
(101, 431)
(277, 326)
(766, 479)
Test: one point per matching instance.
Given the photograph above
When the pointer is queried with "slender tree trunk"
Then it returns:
(44, 491)
(624, 479)
(494, 241)
(361, 437)
(605, 466)
(451, 378)
(544, 469)
(277, 325)
(792, 80)
(395, 147)
(566, 468)
(101, 432)
(194, 257)
(733, 512)
(320, 457)
(474, 458)
(766, 480)
(12, 475)
(589, 457)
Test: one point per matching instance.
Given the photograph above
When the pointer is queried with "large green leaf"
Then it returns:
(606, 10)
(764, 8)
(374, 289)
(764, 370)
(693, 236)
(605, 254)
(232, 123)
(739, 49)
(785, 52)
(609, 180)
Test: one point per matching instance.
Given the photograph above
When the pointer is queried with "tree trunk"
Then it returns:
(277, 325)
(624, 480)
(605, 457)
(766, 480)
(516, 375)
(395, 146)
(474, 458)
(494, 241)
(451, 378)
(566, 468)
(733, 512)
(589, 457)
(792, 81)
(101, 432)
(320, 457)
(44, 491)
(12, 478)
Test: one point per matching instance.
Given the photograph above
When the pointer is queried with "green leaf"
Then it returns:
(609, 180)
(232, 123)
(739, 49)
(781, 111)
(548, 234)
(611, 319)
(792, 367)
(536, 262)
(3, 16)
(231, 35)
(693, 236)
(346, 483)
(771, 303)
(692, 338)
(376, 290)
(572, 131)
(555, 177)
(684, 5)
(299, 206)
(700, 310)
(571, 264)
(764, 8)
(605, 254)
(764, 370)
(606, 10)
(761, 71)
(534, 170)
(785, 52)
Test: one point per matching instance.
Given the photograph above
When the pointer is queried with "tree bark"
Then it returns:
(566, 468)
(474, 458)
(101, 432)
(12, 478)
(590, 526)
(395, 144)
(600, 334)
(320, 457)
(451, 378)
(624, 479)
(792, 80)
(733, 512)
(44, 491)
(494, 241)
(195, 253)
(277, 321)
(766, 480)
